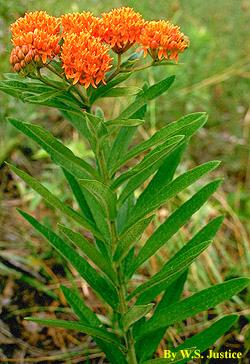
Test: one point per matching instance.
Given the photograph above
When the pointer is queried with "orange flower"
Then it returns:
(162, 39)
(39, 31)
(85, 59)
(79, 22)
(121, 28)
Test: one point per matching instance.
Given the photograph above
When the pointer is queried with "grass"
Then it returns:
(213, 76)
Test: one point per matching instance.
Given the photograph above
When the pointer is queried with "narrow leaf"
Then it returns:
(128, 240)
(144, 206)
(206, 338)
(54, 201)
(124, 122)
(60, 154)
(174, 222)
(135, 313)
(90, 251)
(190, 306)
(170, 270)
(122, 91)
(85, 314)
(205, 234)
(73, 325)
(98, 283)
(149, 344)
(147, 166)
(79, 196)
(88, 317)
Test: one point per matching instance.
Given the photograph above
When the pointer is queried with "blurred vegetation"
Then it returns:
(213, 76)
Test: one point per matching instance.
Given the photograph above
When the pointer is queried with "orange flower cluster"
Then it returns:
(162, 39)
(21, 56)
(80, 22)
(121, 28)
(85, 59)
(84, 55)
(40, 32)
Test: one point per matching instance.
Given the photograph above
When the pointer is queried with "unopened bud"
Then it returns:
(25, 49)
(20, 55)
(22, 63)
(17, 67)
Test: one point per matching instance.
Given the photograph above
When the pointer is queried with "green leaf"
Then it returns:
(144, 206)
(78, 120)
(101, 90)
(97, 282)
(190, 306)
(124, 122)
(187, 125)
(90, 251)
(128, 240)
(85, 314)
(135, 313)
(102, 194)
(122, 91)
(146, 347)
(60, 154)
(166, 172)
(79, 196)
(73, 325)
(170, 271)
(147, 95)
(88, 317)
(146, 167)
(205, 234)
(178, 358)
(54, 201)
(206, 338)
(45, 96)
(174, 222)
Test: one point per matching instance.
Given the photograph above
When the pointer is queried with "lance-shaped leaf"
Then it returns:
(146, 167)
(135, 313)
(125, 122)
(174, 222)
(88, 317)
(90, 251)
(73, 325)
(167, 170)
(60, 154)
(128, 240)
(103, 89)
(121, 91)
(190, 306)
(151, 93)
(54, 201)
(79, 196)
(145, 207)
(170, 271)
(123, 139)
(146, 347)
(206, 338)
(186, 126)
(100, 285)
(177, 359)
(204, 235)
(102, 194)
(85, 314)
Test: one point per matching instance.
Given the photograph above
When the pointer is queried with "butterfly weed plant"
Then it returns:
(70, 63)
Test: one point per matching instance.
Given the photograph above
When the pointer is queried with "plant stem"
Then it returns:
(121, 285)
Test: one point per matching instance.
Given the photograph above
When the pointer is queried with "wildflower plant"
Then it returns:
(70, 63)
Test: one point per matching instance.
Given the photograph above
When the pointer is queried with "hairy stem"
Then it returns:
(121, 285)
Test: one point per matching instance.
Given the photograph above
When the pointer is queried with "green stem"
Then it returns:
(75, 88)
(121, 284)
